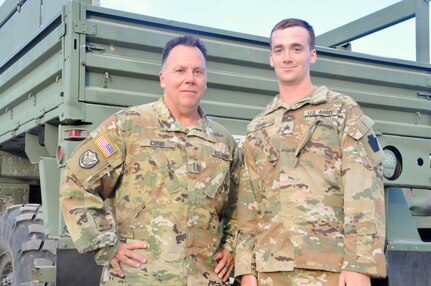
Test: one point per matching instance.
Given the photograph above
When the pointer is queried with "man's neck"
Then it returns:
(293, 93)
(187, 117)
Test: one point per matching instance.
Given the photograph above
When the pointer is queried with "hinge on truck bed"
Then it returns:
(83, 27)
(61, 30)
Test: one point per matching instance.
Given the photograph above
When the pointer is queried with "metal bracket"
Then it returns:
(83, 27)
(44, 274)
(425, 94)
(61, 30)
(94, 47)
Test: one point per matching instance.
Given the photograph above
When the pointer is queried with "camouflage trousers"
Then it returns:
(298, 277)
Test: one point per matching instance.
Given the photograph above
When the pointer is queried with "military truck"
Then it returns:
(65, 65)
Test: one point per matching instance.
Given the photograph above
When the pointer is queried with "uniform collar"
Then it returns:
(168, 122)
(318, 96)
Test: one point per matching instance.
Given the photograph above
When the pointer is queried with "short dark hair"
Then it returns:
(292, 22)
(186, 40)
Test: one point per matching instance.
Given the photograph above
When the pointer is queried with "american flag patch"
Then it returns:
(105, 146)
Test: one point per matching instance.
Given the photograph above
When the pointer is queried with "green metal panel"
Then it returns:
(49, 182)
(402, 232)
(423, 31)
(19, 26)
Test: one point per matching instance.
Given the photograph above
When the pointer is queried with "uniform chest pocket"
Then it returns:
(321, 139)
(216, 176)
(158, 153)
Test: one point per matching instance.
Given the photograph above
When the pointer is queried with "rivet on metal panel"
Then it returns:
(11, 112)
(105, 80)
(417, 117)
(32, 95)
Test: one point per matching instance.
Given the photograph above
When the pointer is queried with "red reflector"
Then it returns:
(74, 133)
(60, 154)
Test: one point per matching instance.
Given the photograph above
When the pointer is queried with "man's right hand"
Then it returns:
(126, 255)
(248, 280)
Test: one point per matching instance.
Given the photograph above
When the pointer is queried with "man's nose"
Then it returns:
(287, 56)
(190, 77)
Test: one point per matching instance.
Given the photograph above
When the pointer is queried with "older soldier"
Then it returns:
(169, 174)
(310, 202)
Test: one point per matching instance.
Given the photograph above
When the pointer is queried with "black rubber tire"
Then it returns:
(24, 245)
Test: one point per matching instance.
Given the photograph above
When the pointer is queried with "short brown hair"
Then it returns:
(292, 22)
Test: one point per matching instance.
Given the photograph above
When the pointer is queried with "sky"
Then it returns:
(257, 17)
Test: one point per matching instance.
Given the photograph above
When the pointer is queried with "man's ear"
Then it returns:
(313, 56)
(162, 79)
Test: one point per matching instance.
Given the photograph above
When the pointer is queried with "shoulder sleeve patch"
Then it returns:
(88, 159)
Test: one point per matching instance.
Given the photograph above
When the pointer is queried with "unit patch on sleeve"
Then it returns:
(105, 146)
(88, 160)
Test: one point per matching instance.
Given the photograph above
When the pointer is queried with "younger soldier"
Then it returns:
(310, 202)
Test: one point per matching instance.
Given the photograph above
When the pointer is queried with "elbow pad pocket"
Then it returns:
(103, 220)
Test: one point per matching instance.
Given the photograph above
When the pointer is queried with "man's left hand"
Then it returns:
(225, 265)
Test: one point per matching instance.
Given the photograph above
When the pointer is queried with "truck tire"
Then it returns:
(24, 245)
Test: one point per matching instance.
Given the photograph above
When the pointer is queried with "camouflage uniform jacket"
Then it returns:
(311, 189)
(167, 185)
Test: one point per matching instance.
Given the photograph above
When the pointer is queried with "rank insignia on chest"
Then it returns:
(287, 128)
(105, 146)
(88, 160)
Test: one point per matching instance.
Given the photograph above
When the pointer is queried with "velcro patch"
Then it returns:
(263, 124)
(162, 144)
(105, 146)
(219, 154)
(88, 160)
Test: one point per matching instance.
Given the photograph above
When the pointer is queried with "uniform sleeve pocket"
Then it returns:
(366, 232)
(366, 228)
